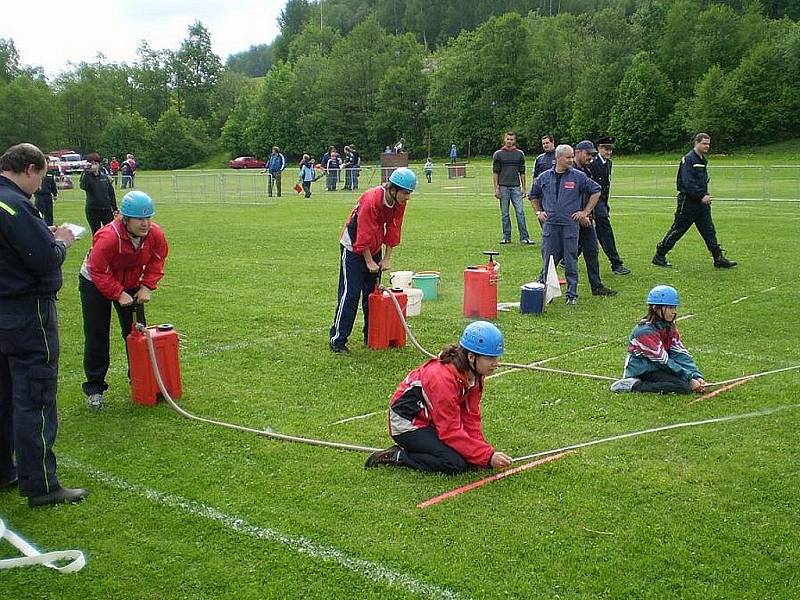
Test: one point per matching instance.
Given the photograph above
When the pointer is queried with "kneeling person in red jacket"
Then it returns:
(124, 265)
(435, 413)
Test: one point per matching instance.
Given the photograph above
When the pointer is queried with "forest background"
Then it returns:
(650, 72)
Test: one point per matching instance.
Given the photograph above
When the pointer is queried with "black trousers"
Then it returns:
(44, 204)
(29, 350)
(688, 213)
(355, 282)
(661, 382)
(424, 451)
(97, 330)
(307, 189)
(97, 217)
(605, 235)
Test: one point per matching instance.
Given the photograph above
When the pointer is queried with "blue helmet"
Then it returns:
(663, 295)
(404, 178)
(137, 205)
(481, 337)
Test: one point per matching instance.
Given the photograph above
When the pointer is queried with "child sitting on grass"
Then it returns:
(657, 360)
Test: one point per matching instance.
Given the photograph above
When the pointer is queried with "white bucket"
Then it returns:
(401, 279)
(414, 305)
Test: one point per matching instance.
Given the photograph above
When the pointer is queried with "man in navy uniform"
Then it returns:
(557, 198)
(694, 206)
(31, 256)
(547, 159)
(587, 238)
(600, 171)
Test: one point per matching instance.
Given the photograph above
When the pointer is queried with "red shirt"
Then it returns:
(372, 223)
(439, 395)
(115, 264)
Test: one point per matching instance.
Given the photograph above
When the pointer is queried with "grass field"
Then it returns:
(184, 510)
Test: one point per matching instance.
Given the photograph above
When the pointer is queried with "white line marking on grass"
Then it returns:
(769, 289)
(356, 418)
(368, 569)
(742, 299)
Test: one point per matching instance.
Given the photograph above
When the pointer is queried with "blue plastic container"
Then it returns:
(532, 298)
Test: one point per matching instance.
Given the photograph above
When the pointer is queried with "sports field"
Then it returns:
(180, 509)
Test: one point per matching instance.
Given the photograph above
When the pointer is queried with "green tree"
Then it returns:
(27, 113)
(272, 121)
(127, 133)
(177, 142)
(643, 105)
(253, 62)
(291, 21)
(196, 70)
(9, 60)
(150, 79)
(313, 41)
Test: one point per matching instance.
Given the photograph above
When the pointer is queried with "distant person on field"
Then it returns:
(371, 233)
(355, 165)
(101, 200)
(123, 267)
(453, 153)
(657, 360)
(600, 171)
(127, 172)
(307, 174)
(435, 413)
(400, 146)
(131, 162)
(46, 195)
(347, 167)
(428, 169)
(114, 166)
(332, 168)
(276, 163)
(31, 256)
(508, 176)
(694, 206)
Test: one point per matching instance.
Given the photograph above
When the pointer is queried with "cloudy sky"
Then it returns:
(76, 32)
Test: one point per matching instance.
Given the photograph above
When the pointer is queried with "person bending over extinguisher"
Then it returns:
(435, 413)
(657, 360)
(123, 267)
(375, 222)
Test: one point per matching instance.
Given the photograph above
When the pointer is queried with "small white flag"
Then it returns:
(553, 288)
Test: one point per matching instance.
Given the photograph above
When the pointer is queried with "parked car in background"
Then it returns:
(246, 162)
(70, 162)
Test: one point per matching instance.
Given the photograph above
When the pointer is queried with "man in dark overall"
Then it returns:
(557, 198)
(31, 256)
(600, 171)
(694, 206)
(45, 195)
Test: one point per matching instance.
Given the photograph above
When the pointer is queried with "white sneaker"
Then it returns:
(624, 385)
(95, 401)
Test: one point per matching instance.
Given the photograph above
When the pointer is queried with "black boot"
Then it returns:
(721, 262)
(384, 457)
(660, 260)
(60, 496)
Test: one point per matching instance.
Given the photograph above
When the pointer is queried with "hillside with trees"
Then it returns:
(650, 72)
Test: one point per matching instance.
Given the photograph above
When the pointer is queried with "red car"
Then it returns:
(246, 162)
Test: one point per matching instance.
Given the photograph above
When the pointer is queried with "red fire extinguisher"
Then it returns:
(144, 385)
(480, 288)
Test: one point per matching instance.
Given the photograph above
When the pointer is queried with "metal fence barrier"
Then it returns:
(728, 182)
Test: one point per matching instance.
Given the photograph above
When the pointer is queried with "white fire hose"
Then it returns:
(33, 557)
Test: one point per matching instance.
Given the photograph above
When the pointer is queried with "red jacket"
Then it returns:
(438, 395)
(116, 265)
(372, 223)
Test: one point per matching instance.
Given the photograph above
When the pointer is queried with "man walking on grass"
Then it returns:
(694, 206)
